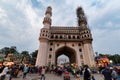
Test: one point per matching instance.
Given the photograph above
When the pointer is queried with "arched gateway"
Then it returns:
(69, 52)
(74, 42)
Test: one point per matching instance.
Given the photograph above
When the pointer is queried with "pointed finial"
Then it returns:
(47, 19)
(49, 10)
(82, 21)
(79, 11)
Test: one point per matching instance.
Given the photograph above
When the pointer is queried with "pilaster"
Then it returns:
(88, 54)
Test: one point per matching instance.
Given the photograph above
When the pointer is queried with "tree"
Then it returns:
(25, 53)
(5, 50)
(34, 56)
(9, 50)
(115, 58)
(25, 56)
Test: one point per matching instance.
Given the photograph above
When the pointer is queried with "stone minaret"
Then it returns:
(86, 38)
(82, 20)
(44, 38)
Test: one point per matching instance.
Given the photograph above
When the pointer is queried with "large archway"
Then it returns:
(67, 51)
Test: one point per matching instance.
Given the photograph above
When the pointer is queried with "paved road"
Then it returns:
(53, 77)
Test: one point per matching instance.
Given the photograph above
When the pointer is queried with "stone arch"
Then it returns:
(69, 52)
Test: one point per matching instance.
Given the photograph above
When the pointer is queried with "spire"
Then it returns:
(81, 18)
(49, 11)
(47, 19)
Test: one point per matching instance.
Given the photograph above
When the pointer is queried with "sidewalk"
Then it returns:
(53, 77)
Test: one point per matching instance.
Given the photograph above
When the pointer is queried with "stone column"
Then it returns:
(89, 55)
(78, 58)
(42, 54)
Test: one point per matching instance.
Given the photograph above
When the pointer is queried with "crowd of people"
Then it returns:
(22, 70)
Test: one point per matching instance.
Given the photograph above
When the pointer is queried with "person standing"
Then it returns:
(87, 74)
(107, 74)
(3, 73)
(114, 74)
(11, 71)
(40, 70)
(43, 73)
(25, 71)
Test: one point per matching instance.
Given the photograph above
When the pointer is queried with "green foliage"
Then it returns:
(34, 54)
(25, 53)
(8, 50)
(101, 55)
(115, 58)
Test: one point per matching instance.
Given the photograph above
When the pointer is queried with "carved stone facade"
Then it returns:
(74, 42)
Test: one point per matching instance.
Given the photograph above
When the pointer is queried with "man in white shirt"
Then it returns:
(4, 72)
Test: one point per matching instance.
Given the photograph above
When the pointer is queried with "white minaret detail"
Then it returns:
(44, 38)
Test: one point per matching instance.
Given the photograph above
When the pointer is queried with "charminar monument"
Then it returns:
(74, 42)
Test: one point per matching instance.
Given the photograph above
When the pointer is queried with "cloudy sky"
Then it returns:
(21, 21)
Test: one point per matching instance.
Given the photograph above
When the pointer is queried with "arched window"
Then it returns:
(51, 43)
(73, 45)
(52, 36)
(80, 50)
(73, 37)
(81, 56)
(69, 37)
(79, 44)
(50, 49)
(60, 37)
(56, 37)
(43, 30)
(78, 37)
(50, 56)
(88, 35)
(57, 44)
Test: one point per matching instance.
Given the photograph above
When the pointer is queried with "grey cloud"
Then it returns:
(22, 29)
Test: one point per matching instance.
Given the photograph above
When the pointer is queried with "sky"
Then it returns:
(21, 21)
